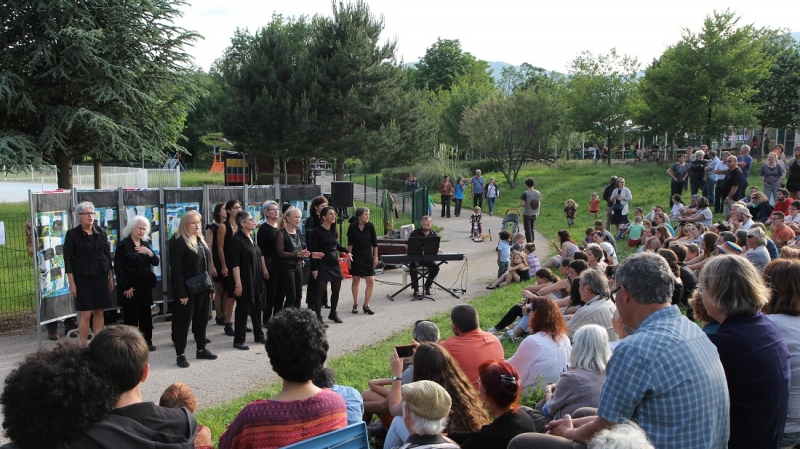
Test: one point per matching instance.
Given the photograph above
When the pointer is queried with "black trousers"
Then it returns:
(718, 198)
(322, 290)
(243, 310)
(458, 202)
(291, 285)
(512, 314)
(477, 200)
(271, 303)
(676, 188)
(139, 316)
(529, 224)
(194, 312)
(446, 206)
(433, 271)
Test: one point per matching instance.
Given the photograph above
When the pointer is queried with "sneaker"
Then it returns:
(205, 355)
(220, 320)
(182, 362)
(229, 330)
(491, 330)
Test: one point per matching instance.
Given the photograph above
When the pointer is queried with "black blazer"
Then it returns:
(185, 263)
(86, 255)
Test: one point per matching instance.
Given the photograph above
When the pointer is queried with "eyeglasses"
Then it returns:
(86, 213)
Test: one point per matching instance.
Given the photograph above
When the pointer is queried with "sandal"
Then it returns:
(368, 311)
(355, 308)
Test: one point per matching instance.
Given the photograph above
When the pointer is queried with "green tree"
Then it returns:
(206, 118)
(442, 64)
(468, 90)
(778, 95)
(601, 95)
(515, 79)
(705, 83)
(516, 129)
(103, 79)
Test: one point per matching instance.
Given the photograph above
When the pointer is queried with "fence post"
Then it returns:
(178, 175)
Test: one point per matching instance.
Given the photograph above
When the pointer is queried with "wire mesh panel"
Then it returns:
(17, 288)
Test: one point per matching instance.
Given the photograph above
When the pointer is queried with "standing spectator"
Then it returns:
(491, 192)
(267, 233)
(325, 268)
(503, 253)
(219, 217)
(607, 192)
(411, 182)
(697, 172)
(530, 200)
(189, 258)
(314, 219)
(446, 190)
(793, 178)
(679, 171)
(244, 261)
(744, 161)
(731, 189)
(477, 183)
(720, 170)
(711, 177)
(752, 351)
(134, 260)
(469, 345)
(362, 242)
(290, 256)
(224, 235)
(622, 195)
(458, 195)
(771, 174)
(87, 262)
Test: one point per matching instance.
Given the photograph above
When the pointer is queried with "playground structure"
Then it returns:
(218, 166)
(174, 161)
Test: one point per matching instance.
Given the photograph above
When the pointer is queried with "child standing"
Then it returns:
(533, 261)
(503, 252)
(475, 229)
(635, 231)
(519, 242)
(569, 211)
(430, 205)
(594, 205)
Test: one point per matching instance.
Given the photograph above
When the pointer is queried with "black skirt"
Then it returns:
(92, 292)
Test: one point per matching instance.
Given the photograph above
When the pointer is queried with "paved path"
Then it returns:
(236, 372)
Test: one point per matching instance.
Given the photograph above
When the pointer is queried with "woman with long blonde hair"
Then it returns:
(190, 258)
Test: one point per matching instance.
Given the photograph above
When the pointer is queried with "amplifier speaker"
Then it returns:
(341, 194)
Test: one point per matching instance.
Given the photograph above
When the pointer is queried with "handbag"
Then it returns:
(617, 206)
(201, 282)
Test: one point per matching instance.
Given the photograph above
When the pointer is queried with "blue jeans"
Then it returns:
(708, 190)
(490, 202)
(790, 439)
(502, 267)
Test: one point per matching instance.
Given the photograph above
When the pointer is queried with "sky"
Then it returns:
(547, 34)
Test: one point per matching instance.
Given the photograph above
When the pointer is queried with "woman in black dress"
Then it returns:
(133, 262)
(188, 257)
(220, 215)
(87, 262)
(362, 242)
(290, 256)
(325, 267)
(224, 234)
(267, 234)
(314, 220)
(244, 261)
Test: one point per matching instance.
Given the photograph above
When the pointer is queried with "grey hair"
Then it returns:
(597, 283)
(734, 285)
(242, 217)
(426, 331)
(132, 224)
(646, 277)
(626, 435)
(745, 147)
(82, 206)
(759, 235)
(590, 349)
(270, 203)
(699, 154)
(422, 426)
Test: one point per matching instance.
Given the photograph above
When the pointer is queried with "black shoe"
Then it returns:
(150, 346)
(248, 329)
(368, 311)
(261, 340)
(229, 330)
(355, 308)
(182, 362)
(335, 318)
(326, 306)
(324, 325)
(205, 355)
(415, 293)
(220, 320)
(241, 346)
(208, 340)
(427, 291)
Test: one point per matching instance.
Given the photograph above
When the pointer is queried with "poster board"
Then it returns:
(51, 215)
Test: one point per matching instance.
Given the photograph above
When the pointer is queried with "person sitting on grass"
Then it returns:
(566, 247)
(598, 308)
(519, 242)
(469, 345)
(426, 406)
(326, 378)
(533, 261)
(179, 395)
(543, 277)
(574, 268)
(297, 348)
(518, 271)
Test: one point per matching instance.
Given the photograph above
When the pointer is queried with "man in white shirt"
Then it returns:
(711, 182)
(744, 220)
(719, 170)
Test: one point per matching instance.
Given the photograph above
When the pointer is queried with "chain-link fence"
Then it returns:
(17, 281)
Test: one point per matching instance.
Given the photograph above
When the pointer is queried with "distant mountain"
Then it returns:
(497, 68)
(796, 36)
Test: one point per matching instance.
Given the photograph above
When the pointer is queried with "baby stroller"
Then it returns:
(511, 221)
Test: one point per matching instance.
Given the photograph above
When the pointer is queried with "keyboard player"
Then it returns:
(433, 267)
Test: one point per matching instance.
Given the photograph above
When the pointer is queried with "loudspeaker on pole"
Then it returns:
(341, 194)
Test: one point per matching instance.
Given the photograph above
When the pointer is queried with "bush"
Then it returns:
(265, 179)
(484, 165)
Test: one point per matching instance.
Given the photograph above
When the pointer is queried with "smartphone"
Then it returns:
(405, 351)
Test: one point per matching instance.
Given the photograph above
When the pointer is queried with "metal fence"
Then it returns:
(17, 281)
(159, 177)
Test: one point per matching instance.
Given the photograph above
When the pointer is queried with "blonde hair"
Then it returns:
(594, 195)
(566, 203)
(521, 256)
(734, 285)
(183, 230)
(287, 214)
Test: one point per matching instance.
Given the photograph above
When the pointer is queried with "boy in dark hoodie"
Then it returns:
(121, 354)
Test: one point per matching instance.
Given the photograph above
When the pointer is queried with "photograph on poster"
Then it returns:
(153, 215)
(175, 212)
(51, 228)
(108, 220)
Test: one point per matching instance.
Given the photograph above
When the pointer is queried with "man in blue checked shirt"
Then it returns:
(666, 376)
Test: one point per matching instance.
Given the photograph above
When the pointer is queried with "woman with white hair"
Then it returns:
(626, 435)
(757, 252)
(581, 384)
(133, 262)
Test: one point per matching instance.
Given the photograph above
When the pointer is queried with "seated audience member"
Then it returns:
(744, 220)
(179, 395)
(759, 207)
(297, 348)
(121, 353)
(576, 266)
(707, 323)
(598, 258)
(597, 309)
(675, 269)
(688, 278)
(702, 214)
(77, 397)
(469, 345)
(782, 202)
(772, 248)
(659, 219)
(783, 309)
(626, 435)
(790, 252)
(757, 252)
(689, 392)
(607, 236)
(566, 247)
(500, 390)
(376, 398)
(635, 232)
(612, 254)
(793, 217)
(434, 363)
(517, 271)
(425, 409)
(544, 353)
(677, 205)
(529, 250)
(752, 351)
(781, 234)
(581, 384)
(326, 378)
(543, 277)
(620, 329)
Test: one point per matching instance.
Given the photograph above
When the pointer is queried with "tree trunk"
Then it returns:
(98, 173)
(64, 170)
(276, 176)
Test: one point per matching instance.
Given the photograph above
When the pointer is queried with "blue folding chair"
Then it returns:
(353, 436)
